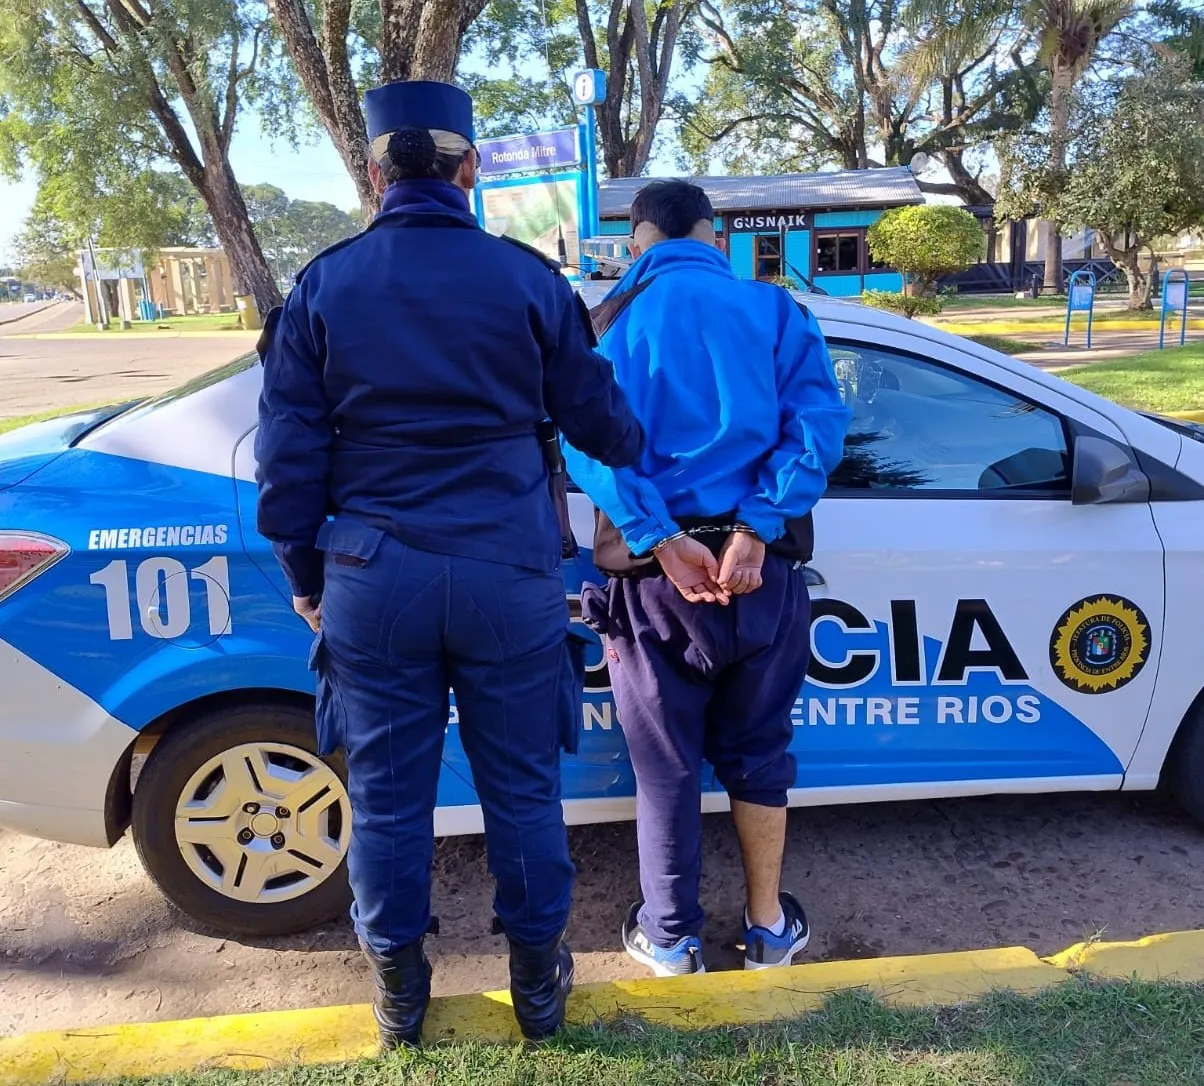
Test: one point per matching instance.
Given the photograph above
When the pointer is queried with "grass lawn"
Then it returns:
(1005, 344)
(205, 322)
(1001, 301)
(42, 416)
(1079, 1034)
(1169, 380)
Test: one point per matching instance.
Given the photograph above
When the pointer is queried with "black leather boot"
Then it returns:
(541, 978)
(403, 991)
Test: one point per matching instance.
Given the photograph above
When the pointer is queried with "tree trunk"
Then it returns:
(1061, 86)
(1140, 282)
(1129, 259)
(420, 39)
(228, 210)
(325, 72)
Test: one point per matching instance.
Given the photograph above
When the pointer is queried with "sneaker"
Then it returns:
(764, 950)
(681, 959)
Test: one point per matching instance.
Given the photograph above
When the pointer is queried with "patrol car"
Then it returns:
(1008, 588)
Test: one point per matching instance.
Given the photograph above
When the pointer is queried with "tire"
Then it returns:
(213, 832)
(1185, 764)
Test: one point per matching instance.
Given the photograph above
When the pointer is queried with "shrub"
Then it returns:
(927, 242)
(910, 305)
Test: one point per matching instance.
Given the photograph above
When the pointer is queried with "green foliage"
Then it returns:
(926, 242)
(103, 97)
(1135, 166)
(293, 232)
(798, 84)
(522, 54)
(46, 257)
(909, 305)
(1185, 32)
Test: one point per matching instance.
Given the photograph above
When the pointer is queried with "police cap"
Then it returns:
(418, 103)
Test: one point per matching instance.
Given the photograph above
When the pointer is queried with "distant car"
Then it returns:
(30, 296)
(1007, 590)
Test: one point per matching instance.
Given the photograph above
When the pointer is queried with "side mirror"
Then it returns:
(1104, 472)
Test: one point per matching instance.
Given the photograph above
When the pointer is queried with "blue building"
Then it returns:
(806, 227)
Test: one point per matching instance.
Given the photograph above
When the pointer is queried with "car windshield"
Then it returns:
(1185, 427)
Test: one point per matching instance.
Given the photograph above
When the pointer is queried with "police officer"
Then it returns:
(405, 488)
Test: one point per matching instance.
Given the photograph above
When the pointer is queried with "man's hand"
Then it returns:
(740, 564)
(309, 610)
(693, 570)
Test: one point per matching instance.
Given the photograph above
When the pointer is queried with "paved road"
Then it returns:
(86, 940)
(41, 374)
(13, 311)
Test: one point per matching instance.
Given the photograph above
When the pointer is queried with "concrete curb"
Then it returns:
(31, 313)
(336, 1034)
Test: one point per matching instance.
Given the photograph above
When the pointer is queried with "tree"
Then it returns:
(1184, 33)
(46, 255)
(636, 43)
(293, 232)
(1070, 33)
(796, 84)
(926, 242)
(1134, 168)
(337, 44)
(97, 92)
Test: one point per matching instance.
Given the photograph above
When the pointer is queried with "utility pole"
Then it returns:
(102, 310)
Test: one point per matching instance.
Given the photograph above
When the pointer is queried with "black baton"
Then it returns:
(549, 440)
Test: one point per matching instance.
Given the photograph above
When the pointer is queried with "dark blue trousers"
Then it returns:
(400, 627)
(693, 682)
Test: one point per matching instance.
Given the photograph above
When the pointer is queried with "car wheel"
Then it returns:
(242, 825)
(1185, 765)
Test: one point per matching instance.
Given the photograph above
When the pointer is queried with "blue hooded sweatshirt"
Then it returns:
(734, 386)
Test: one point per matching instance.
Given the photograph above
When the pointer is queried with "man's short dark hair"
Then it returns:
(673, 207)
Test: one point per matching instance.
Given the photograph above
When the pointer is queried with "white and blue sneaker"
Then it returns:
(680, 960)
(763, 949)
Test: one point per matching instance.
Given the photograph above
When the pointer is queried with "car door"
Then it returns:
(974, 629)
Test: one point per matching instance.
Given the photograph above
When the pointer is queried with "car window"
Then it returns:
(919, 426)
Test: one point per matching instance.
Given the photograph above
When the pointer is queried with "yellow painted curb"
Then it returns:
(1176, 956)
(1098, 328)
(337, 1034)
(1190, 416)
(347, 1033)
(135, 336)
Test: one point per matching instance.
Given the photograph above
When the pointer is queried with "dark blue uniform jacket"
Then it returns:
(403, 382)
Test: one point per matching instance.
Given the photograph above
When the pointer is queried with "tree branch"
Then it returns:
(225, 125)
(585, 30)
(97, 27)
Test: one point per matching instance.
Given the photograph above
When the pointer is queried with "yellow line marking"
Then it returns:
(1098, 328)
(214, 333)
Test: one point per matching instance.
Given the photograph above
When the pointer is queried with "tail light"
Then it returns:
(24, 556)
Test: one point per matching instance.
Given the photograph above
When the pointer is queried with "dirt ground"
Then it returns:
(85, 938)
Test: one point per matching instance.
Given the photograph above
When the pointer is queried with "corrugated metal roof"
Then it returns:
(891, 187)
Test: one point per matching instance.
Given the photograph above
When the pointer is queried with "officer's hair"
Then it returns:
(674, 208)
(414, 153)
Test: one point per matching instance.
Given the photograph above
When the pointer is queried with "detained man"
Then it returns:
(706, 615)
